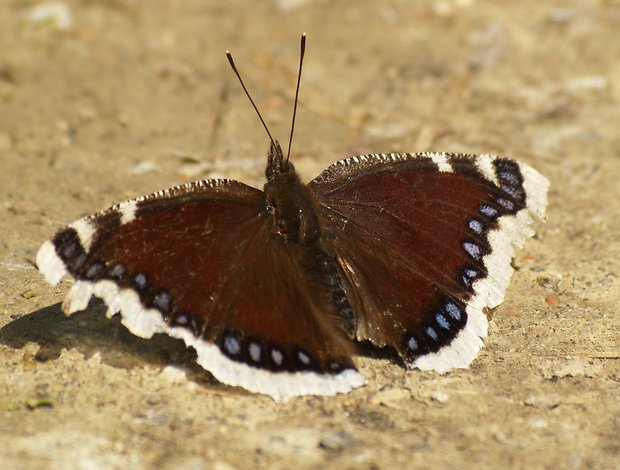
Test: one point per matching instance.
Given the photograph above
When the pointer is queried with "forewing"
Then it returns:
(425, 243)
(200, 262)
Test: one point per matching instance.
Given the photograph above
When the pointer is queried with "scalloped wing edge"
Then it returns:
(489, 292)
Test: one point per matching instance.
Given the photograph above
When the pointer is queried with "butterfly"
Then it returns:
(273, 288)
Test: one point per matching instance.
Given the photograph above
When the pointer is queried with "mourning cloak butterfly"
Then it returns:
(270, 287)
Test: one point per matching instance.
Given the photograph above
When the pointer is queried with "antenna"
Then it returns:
(232, 64)
(301, 63)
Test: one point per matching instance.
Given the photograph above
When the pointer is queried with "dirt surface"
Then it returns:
(129, 97)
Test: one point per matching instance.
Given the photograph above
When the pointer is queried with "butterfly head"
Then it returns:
(277, 164)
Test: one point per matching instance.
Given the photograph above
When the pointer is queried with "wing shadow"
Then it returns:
(90, 332)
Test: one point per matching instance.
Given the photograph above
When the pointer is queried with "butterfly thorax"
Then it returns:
(292, 208)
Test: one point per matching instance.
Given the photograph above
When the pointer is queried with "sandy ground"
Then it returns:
(128, 97)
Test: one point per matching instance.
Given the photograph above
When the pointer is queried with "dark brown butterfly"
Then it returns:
(273, 287)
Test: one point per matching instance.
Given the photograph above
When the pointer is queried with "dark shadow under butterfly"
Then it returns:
(272, 288)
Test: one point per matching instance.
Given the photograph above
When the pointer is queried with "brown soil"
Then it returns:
(137, 96)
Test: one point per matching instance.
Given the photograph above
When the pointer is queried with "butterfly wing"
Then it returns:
(199, 262)
(425, 243)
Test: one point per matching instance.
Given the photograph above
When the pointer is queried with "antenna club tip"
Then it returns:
(303, 35)
(227, 52)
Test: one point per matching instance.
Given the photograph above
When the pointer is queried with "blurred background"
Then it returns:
(103, 100)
